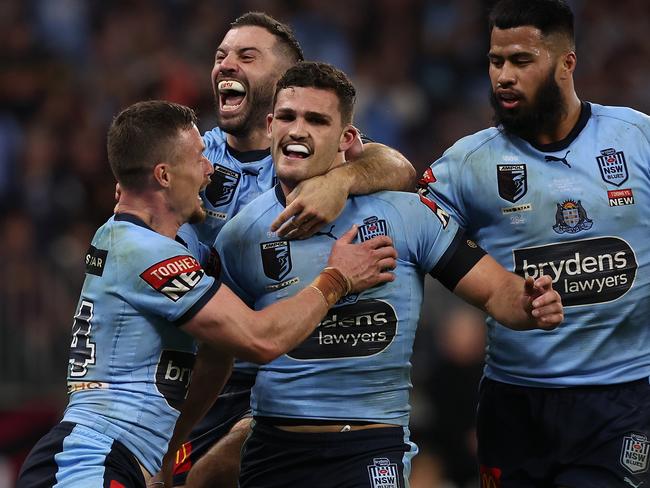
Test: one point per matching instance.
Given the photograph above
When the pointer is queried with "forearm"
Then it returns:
(508, 305)
(378, 168)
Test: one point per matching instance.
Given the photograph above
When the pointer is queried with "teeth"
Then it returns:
(297, 148)
(232, 85)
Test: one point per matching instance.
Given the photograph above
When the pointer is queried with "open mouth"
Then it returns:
(508, 100)
(232, 94)
(296, 150)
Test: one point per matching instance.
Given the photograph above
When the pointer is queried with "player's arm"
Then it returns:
(319, 200)
(211, 370)
(514, 302)
(226, 323)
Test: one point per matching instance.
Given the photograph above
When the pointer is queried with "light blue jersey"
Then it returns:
(130, 365)
(579, 211)
(356, 364)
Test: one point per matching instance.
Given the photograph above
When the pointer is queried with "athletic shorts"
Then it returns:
(75, 456)
(371, 458)
(579, 437)
(232, 405)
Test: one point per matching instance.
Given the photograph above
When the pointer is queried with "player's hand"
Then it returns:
(366, 264)
(543, 303)
(311, 205)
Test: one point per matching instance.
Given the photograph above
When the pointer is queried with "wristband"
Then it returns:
(332, 285)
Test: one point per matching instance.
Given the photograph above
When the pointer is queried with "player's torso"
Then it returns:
(579, 214)
(356, 363)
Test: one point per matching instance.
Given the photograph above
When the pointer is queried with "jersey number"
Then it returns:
(82, 349)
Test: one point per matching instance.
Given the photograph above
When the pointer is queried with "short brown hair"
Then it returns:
(324, 76)
(141, 136)
(286, 38)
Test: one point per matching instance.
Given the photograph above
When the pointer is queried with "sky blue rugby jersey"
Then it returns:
(578, 210)
(129, 364)
(356, 364)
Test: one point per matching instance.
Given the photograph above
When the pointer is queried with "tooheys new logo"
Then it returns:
(359, 330)
(584, 271)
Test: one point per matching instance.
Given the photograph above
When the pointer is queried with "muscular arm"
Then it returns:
(513, 302)
(319, 200)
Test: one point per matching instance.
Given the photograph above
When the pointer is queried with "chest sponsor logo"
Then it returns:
(613, 167)
(95, 261)
(584, 272)
(555, 159)
(634, 453)
(174, 277)
(383, 474)
(276, 259)
(362, 329)
(173, 375)
(372, 227)
(222, 186)
(512, 180)
(620, 197)
(571, 217)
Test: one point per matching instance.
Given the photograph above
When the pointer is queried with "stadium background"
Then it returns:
(68, 66)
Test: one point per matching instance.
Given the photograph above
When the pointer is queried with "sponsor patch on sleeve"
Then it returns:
(95, 261)
(174, 277)
(443, 216)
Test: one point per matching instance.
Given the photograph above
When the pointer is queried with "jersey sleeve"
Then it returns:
(161, 277)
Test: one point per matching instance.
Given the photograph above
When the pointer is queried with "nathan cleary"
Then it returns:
(334, 411)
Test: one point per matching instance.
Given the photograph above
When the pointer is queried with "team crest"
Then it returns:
(174, 277)
(223, 184)
(372, 227)
(276, 259)
(571, 217)
(512, 180)
(613, 167)
(634, 454)
(383, 474)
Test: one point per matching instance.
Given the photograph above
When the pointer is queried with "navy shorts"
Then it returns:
(232, 405)
(579, 437)
(370, 458)
(73, 455)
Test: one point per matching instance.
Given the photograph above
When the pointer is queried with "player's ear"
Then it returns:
(567, 65)
(349, 134)
(161, 174)
(269, 119)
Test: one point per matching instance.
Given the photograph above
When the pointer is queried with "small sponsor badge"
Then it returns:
(174, 277)
(383, 474)
(95, 261)
(620, 197)
(634, 453)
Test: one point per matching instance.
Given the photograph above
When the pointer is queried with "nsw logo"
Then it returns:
(276, 259)
(512, 180)
(223, 184)
(634, 453)
(174, 277)
(571, 217)
(613, 167)
(372, 227)
(383, 474)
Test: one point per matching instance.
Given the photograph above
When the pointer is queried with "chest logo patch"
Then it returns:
(571, 217)
(613, 167)
(372, 227)
(276, 259)
(222, 186)
(512, 180)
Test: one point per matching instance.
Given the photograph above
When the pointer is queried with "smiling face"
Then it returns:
(248, 63)
(524, 69)
(189, 173)
(307, 133)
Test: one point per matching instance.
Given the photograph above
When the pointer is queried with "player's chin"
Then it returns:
(197, 216)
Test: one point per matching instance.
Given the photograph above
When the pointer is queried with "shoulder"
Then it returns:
(621, 115)
(465, 147)
(258, 212)
(214, 137)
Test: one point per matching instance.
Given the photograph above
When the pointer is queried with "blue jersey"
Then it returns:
(356, 364)
(577, 210)
(129, 364)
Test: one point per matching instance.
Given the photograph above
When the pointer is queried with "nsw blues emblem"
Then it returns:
(512, 180)
(613, 167)
(222, 186)
(634, 454)
(383, 474)
(276, 259)
(372, 227)
(571, 217)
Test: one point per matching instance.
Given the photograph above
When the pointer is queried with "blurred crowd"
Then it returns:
(68, 66)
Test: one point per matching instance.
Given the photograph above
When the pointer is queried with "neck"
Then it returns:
(566, 123)
(256, 140)
(151, 209)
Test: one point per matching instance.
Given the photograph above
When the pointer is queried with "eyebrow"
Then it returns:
(240, 50)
